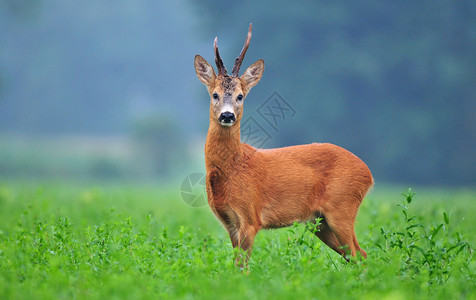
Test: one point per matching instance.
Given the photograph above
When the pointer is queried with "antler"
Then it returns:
(236, 68)
(220, 66)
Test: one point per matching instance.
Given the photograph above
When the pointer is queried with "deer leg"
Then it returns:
(246, 237)
(232, 232)
(232, 225)
(326, 235)
(343, 228)
(357, 246)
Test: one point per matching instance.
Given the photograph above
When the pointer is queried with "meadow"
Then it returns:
(142, 241)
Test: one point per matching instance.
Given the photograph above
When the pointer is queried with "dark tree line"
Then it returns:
(394, 82)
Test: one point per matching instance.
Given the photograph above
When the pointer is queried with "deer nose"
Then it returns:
(227, 117)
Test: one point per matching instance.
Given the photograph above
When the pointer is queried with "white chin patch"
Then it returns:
(226, 124)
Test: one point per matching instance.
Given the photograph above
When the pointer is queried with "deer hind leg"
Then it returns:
(343, 228)
(326, 235)
(357, 246)
(345, 236)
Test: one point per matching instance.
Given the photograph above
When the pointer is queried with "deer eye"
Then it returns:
(240, 97)
(215, 96)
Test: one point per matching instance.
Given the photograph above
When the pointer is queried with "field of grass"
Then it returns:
(60, 240)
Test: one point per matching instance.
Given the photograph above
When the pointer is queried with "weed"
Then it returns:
(420, 248)
(142, 242)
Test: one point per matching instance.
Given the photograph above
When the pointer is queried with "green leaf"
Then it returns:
(446, 218)
(405, 214)
(461, 248)
(402, 206)
(409, 196)
(456, 246)
(436, 230)
(419, 249)
(414, 225)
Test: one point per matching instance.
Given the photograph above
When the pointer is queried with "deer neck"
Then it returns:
(223, 148)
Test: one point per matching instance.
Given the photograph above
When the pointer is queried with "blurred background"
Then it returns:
(107, 89)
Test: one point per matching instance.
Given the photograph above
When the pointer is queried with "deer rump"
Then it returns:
(272, 188)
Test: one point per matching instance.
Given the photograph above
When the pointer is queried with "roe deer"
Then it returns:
(249, 189)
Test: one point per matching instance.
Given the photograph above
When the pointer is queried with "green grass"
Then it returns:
(141, 241)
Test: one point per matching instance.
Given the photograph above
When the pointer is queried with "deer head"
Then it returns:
(228, 92)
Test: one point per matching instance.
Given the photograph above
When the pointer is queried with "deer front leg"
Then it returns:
(233, 233)
(245, 239)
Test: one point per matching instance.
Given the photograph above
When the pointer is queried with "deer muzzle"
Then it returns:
(227, 118)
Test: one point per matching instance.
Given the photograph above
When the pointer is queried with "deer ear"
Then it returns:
(252, 75)
(204, 71)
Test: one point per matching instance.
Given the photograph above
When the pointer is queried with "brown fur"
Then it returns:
(251, 189)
